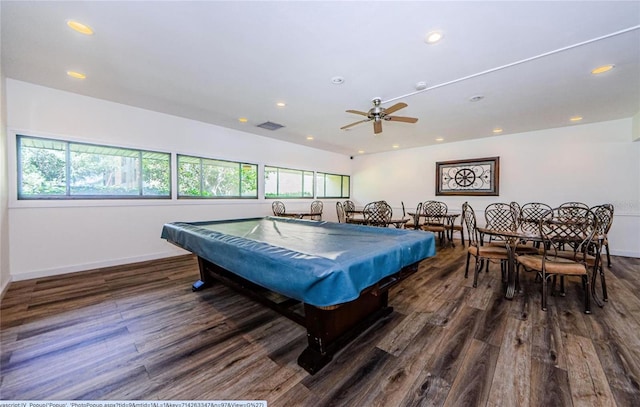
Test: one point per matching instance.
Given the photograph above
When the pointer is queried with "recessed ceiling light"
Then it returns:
(497, 130)
(281, 104)
(433, 37)
(439, 139)
(421, 85)
(395, 146)
(337, 80)
(309, 137)
(576, 118)
(476, 98)
(602, 69)
(243, 120)
(77, 75)
(360, 151)
(79, 27)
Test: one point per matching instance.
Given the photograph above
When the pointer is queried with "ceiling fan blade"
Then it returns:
(377, 127)
(395, 107)
(401, 119)
(358, 112)
(353, 124)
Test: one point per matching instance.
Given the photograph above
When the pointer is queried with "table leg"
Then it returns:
(511, 271)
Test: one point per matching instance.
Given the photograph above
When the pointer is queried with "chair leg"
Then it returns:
(466, 271)
(476, 272)
(587, 295)
(562, 290)
(608, 255)
(605, 297)
(544, 292)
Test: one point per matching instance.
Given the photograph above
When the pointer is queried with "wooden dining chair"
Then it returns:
(434, 221)
(377, 213)
(278, 208)
(606, 218)
(414, 221)
(499, 216)
(566, 239)
(349, 207)
(340, 211)
(316, 210)
(481, 253)
(530, 215)
(517, 210)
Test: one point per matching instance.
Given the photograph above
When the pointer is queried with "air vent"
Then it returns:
(270, 126)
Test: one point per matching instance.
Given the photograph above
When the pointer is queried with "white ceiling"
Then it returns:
(216, 61)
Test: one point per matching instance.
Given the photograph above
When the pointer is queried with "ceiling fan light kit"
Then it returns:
(378, 113)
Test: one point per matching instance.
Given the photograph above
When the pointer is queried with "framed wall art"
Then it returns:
(478, 176)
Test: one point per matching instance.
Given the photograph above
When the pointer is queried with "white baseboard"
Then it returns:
(623, 253)
(96, 265)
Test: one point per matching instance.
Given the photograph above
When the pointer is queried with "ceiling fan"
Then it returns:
(378, 114)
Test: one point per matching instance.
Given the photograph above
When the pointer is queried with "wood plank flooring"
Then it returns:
(139, 332)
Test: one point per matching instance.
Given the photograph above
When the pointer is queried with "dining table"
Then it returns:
(448, 220)
(398, 223)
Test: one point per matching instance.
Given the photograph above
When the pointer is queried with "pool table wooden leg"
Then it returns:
(331, 329)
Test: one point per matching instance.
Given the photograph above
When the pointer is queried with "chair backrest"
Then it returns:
(469, 217)
(434, 211)
(316, 209)
(340, 211)
(349, 207)
(417, 214)
(604, 216)
(500, 216)
(562, 229)
(530, 215)
(575, 211)
(515, 208)
(577, 204)
(278, 208)
(377, 213)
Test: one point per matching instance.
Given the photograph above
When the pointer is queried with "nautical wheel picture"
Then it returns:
(479, 176)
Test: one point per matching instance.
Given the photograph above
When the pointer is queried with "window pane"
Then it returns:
(43, 168)
(156, 174)
(189, 176)
(270, 182)
(95, 172)
(61, 169)
(320, 185)
(249, 180)
(333, 186)
(221, 178)
(346, 186)
(203, 177)
(289, 183)
(308, 184)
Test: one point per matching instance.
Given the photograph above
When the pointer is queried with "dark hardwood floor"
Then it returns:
(139, 332)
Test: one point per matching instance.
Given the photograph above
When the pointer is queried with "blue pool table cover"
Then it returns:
(318, 263)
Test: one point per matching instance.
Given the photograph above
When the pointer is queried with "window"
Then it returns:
(207, 178)
(287, 183)
(57, 169)
(332, 185)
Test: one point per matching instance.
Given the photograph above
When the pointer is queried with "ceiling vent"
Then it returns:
(270, 126)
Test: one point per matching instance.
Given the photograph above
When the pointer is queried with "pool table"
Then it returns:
(331, 278)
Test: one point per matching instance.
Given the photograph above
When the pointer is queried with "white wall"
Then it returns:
(48, 238)
(593, 163)
(5, 276)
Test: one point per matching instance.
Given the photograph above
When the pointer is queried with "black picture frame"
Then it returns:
(472, 177)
